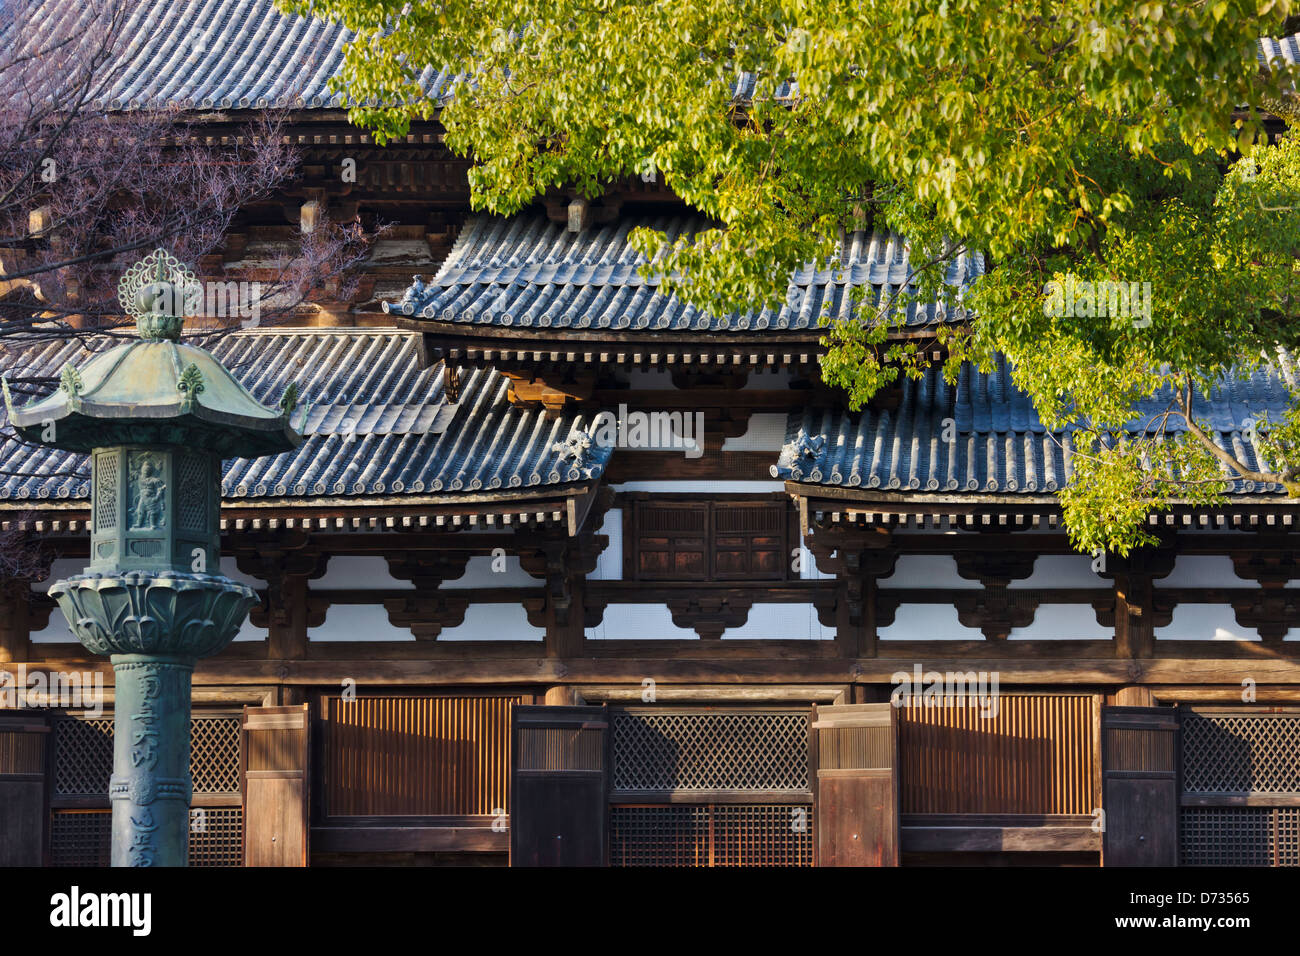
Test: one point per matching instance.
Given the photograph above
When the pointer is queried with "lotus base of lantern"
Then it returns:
(136, 612)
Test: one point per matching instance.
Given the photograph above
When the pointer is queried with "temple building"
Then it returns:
(566, 570)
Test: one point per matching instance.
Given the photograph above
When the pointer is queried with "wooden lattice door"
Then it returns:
(23, 764)
(557, 815)
(1139, 758)
(1240, 801)
(857, 785)
(710, 786)
(276, 774)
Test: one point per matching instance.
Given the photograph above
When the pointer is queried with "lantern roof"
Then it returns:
(156, 389)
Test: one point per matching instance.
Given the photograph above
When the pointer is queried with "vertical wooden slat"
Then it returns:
(418, 755)
(1037, 754)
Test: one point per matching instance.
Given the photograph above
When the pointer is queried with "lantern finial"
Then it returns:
(154, 291)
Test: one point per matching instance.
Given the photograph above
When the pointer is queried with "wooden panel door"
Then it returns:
(276, 771)
(559, 804)
(1139, 758)
(24, 762)
(857, 785)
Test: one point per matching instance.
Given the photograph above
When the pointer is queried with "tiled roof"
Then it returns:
(529, 272)
(1000, 445)
(1287, 48)
(379, 424)
(210, 54)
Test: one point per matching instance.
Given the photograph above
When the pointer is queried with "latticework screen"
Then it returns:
(661, 752)
(214, 754)
(711, 835)
(83, 755)
(1241, 753)
(1239, 836)
(84, 837)
(81, 835)
(216, 836)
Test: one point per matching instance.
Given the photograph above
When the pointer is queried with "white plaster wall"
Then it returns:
(637, 622)
(1207, 571)
(479, 574)
(928, 622)
(927, 571)
(59, 569)
(57, 632)
(808, 570)
(788, 622)
(1206, 622)
(363, 572)
(766, 432)
(358, 622)
(494, 622)
(250, 633)
(609, 566)
(230, 568)
(1063, 622)
(1063, 571)
(1201, 571)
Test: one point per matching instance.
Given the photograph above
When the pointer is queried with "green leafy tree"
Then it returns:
(1140, 235)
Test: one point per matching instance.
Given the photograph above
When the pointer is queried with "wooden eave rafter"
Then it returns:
(566, 507)
(822, 506)
(499, 346)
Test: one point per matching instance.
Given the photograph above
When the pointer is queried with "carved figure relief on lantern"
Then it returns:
(148, 492)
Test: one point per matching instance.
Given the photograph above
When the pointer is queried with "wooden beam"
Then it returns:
(713, 693)
(986, 839)
(409, 840)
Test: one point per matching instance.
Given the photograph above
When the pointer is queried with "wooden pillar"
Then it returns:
(286, 563)
(857, 558)
(15, 626)
(20, 614)
(287, 637)
(1134, 695)
(1137, 612)
(563, 563)
(562, 695)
